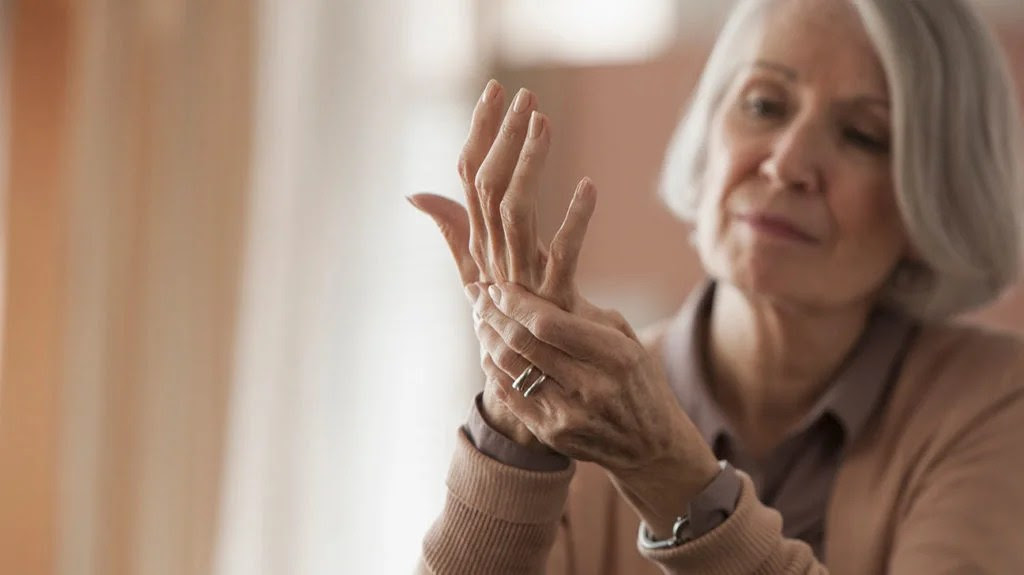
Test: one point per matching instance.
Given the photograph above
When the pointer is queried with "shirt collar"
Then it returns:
(855, 393)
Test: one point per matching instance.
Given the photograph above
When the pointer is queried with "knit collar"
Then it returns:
(853, 395)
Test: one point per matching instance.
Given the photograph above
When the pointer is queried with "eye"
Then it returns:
(764, 107)
(866, 141)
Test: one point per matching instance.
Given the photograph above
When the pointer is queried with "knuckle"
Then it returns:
(511, 211)
(560, 250)
(580, 397)
(531, 155)
(629, 357)
(476, 250)
(476, 243)
(492, 201)
(483, 182)
(520, 339)
(484, 311)
(489, 189)
(466, 168)
(563, 432)
(617, 320)
(543, 326)
(507, 359)
(509, 130)
(485, 335)
(487, 364)
(558, 435)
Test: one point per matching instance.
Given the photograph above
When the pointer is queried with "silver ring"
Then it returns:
(518, 383)
(535, 384)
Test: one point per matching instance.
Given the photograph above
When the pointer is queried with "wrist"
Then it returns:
(662, 493)
(496, 415)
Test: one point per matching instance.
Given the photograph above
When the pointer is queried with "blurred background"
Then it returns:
(229, 345)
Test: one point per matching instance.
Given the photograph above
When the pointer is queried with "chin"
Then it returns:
(762, 283)
(794, 287)
(762, 277)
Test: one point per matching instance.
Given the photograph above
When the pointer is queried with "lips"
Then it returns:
(777, 227)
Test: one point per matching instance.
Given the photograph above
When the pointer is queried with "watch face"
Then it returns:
(678, 535)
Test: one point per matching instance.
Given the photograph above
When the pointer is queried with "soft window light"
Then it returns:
(584, 31)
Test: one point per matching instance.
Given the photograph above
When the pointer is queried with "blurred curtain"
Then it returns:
(5, 115)
(129, 174)
(36, 283)
(158, 184)
(354, 360)
(231, 346)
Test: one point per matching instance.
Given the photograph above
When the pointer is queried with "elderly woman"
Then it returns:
(851, 171)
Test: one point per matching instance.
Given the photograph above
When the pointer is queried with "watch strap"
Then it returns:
(709, 509)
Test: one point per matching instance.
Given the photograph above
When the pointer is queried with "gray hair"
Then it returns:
(956, 148)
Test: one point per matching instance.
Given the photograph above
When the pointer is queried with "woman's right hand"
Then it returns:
(495, 237)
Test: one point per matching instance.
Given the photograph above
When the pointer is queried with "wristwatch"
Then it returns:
(678, 537)
(714, 504)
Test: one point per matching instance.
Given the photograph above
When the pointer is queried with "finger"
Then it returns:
(528, 410)
(560, 274)
(573, 335)
(506, 367)
(510, 362)
(453, 222)
(483, 130)
(519, 207)
(514, 348)
(495, 173)
(495, 374)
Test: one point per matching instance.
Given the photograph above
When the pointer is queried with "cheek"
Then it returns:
(866, 213)
(728, 165)
(730, 159)
(733, 157)
(714, 186)
(870, 236)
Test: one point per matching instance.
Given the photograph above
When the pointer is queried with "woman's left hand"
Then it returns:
(608, 401)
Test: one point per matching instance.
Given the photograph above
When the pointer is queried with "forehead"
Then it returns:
(824, 42)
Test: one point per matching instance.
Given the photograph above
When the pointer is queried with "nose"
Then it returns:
(795, 159)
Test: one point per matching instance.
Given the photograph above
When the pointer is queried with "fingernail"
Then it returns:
(489, 91)
(536, 125)
(522, 101)
(584, 190)
(495, 293)
(472, 292)
(411, 201)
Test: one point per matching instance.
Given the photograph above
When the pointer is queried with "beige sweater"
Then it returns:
(934, 485)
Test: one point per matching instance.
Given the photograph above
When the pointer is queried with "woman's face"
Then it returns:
(798, 202)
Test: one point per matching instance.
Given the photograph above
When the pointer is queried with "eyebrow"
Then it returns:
(786, 71)
(792, 75)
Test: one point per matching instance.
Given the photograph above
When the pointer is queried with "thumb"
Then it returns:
(453, 221)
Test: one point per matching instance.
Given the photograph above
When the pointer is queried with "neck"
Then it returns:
(770, 362)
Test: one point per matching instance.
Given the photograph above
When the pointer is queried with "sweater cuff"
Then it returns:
(504, 492)
(744, 543)
(495, 445)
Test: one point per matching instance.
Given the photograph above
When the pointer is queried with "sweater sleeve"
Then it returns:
(495, 445)
(967, 510)
(496, 519)
(963, 512)
(749, 541)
